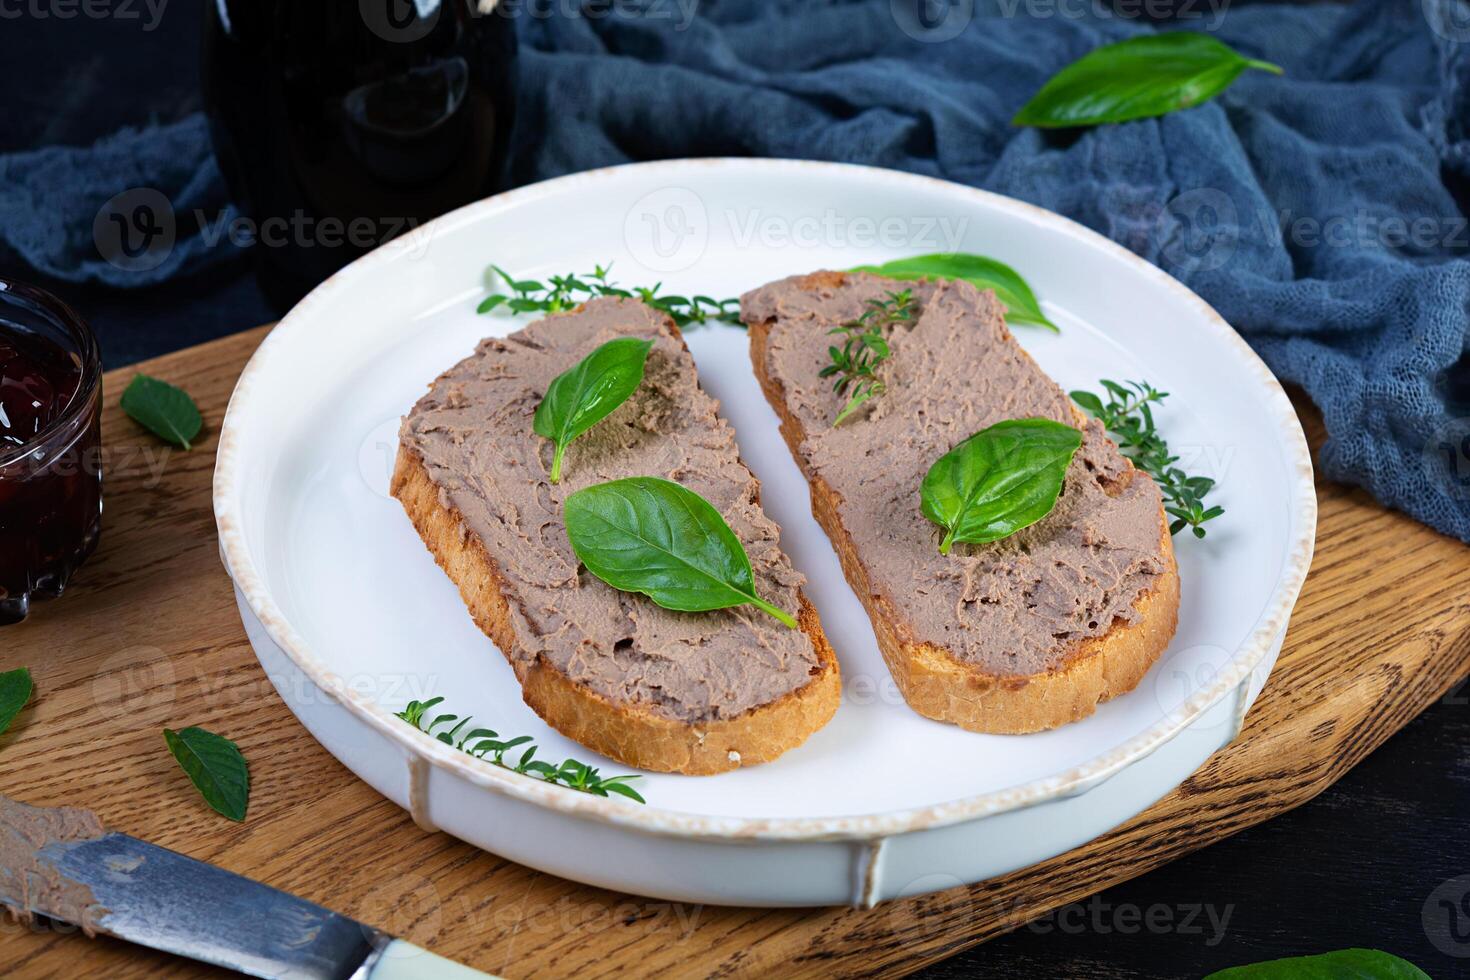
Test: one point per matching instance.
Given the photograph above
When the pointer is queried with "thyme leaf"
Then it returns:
(1128, 416)
(560, 293)
(854, 364)
(484, 743)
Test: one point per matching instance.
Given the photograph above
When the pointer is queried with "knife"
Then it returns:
(59, 862)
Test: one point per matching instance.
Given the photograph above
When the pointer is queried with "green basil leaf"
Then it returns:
(162, 409)
(1088, 401)
(1362, 964)
(986, 273)
(15, 691)
(586, 394)
(1141, 77)
(999, 480)
(215, 767)
(652, 536)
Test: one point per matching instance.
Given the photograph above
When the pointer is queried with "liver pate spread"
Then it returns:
(473, 434)
(1014, 607)
(29, 880)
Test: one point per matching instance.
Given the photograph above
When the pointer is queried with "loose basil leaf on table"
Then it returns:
(163, 409)
(15, 691)
(588, 393)
(656, 537)
(215, 766)
(1138, 78)
(1363, 964)
(999, 480)
(986, 273)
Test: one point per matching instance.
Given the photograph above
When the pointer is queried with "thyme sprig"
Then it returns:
(483, 743)
(865, 347)
(560, 293)
(1128, 416)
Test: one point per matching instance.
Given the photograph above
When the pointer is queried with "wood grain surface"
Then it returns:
(149, 637)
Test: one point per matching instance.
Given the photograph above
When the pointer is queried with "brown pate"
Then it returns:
(473, 434)
(29, 883)
(1015, 607)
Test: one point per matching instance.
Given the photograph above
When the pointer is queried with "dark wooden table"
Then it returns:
(1356, 866)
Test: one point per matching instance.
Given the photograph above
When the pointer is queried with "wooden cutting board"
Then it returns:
(149, 637)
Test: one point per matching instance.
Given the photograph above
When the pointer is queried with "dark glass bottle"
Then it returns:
(341, 125)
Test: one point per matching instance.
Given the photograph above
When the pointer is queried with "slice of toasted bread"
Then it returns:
(667, 691)
(1019, 635)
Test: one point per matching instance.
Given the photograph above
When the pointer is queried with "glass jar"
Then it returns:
(50, 439)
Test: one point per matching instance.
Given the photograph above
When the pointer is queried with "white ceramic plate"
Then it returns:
(351, 618)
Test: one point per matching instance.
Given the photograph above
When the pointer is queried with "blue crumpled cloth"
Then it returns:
(1317, 212)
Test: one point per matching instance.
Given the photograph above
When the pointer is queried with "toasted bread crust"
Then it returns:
(938, 685)
(627, 733)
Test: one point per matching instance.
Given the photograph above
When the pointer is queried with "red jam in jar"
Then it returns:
(50, 435)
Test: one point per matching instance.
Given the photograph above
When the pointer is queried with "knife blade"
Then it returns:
(60, 863)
